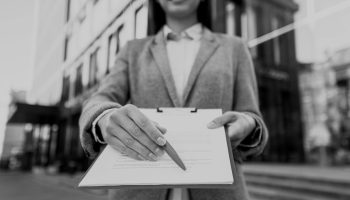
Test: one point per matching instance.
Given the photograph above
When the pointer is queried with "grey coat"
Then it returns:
(222, 77)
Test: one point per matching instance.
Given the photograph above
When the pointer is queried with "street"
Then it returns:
(265, 181)
(28, 186)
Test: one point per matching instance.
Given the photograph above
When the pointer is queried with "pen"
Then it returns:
(173, 155)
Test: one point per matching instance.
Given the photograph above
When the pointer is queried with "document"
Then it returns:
(204, 152)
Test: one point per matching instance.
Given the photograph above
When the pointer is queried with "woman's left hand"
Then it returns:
(239, 125)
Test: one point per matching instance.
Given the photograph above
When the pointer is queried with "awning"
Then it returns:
(33, 114)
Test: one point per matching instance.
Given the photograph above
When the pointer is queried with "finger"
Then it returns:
(162, 129)
(147, 126)
(222, 120)
(135, 145)
(120, 147)
(235, 131)
(130, 127)
(234, 144)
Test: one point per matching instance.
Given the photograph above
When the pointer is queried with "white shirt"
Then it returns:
(182, 54)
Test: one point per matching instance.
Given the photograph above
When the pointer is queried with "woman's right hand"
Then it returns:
(131, 133)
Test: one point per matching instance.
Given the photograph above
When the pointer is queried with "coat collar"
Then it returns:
(194, 32)
(207, 36)
(208, 46)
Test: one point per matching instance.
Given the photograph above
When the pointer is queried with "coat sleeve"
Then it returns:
(113, 92)
(246, 100)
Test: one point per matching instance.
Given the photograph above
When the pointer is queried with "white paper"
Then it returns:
(204, 152)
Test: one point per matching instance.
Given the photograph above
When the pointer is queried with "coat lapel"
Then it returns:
(206, 50)
(159, 53)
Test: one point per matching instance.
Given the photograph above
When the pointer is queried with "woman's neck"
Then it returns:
(179, 25)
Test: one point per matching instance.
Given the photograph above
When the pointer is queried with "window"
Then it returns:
(113, 47)
(259, 16)
(78, 86)
(252, 30)
(230, 18)
(118, 39)
(66, 47)
(235, 18)
(67, 10)
(65, 89)
(275, 23)
(82, 14)
(244, 26)
(93, 70)
(140, 22)
(111, 51)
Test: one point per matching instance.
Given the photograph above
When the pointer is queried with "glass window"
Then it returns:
(230, 18)
(65, 89)
(78, 86)
(112, 41)
(259, 31)
(74, 7)
(66, 47)
(244, 26)
(93, 69)
(252, 21)
(235, 19)
(276, 41)
(141, 22)
(114, 46)
(252, 30)
(118, 35)
(68, 10)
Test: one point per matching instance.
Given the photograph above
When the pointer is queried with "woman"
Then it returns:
(183, 65)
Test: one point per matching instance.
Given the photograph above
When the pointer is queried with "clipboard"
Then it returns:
(92, 172)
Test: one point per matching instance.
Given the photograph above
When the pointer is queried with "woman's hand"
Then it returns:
(239, 125)
(130, 132)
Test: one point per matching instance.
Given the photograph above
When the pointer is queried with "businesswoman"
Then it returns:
(183, 65)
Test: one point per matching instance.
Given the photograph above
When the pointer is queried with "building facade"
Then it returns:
(340, 64)
(15, 133)
(78, 40)
(325, 100)
(276, 70)
(76, 44)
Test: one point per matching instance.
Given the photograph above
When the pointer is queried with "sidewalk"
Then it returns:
(70, 181)
(337, 173)
(297, 182)
(29, 186)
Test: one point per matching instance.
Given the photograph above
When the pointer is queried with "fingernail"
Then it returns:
(163, 130)
(152, 156)
(161, 141)
(159, 152)
(211, 125)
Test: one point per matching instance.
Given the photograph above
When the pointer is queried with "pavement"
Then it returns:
(29, 186)
(297, 182)
(336, 173)
(16, 185)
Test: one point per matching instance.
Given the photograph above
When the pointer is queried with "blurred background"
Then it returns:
(54, 53)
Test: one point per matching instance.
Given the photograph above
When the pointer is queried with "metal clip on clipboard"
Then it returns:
(193, 110)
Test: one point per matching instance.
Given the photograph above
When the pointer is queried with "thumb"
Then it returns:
(222, 120)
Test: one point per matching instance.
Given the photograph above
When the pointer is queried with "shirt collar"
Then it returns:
(195, 31)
